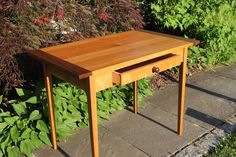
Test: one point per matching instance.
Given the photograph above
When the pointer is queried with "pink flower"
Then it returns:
(1, 7)
(59, 13)
(104, 16)
(38, 21)
(47, 19)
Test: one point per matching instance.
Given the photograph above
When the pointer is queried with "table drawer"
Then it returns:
(145, 69)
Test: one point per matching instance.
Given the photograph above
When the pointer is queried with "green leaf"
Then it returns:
(42, 126)
(11, 120)
(35, 140)
(32, 100)
(70, 123)
(3, 126)
(22, 92)
(76, 116)
(1, 96)
(5, 114)
(13, 151)
(14, 133)
(20, 108)
(26, 148)
(1, 154)
(103, 115)
(64, 131)
(20, 124)
(35, 115)
(26, 133)
(72, 109)
(44, 137)
(83, 98)
(84, 107)
(60, 92)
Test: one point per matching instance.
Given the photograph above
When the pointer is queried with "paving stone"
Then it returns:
(200, 147)
(202, 107)
(231, 120)
(153, 131)
(201, 76)
(170, 121)
(79, 146)
(225, 71)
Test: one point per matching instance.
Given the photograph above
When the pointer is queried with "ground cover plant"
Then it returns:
(212, 22)
(227, 147)
(29, 24)
(25, 125)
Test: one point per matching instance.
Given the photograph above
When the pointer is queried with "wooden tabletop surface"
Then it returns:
(118, 50)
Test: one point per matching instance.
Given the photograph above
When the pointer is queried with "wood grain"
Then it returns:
(110, 52)
(48, 84)
(135, 95)
(182, 81)
(144, 69)
(92, 108)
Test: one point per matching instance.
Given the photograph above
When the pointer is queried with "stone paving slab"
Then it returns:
(225, 71)
(201, 146)
(79, 146)
(153, 131)
(207, 104)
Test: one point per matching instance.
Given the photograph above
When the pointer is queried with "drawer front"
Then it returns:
(145, 69)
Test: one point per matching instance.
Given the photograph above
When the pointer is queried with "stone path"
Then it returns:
(210, 100)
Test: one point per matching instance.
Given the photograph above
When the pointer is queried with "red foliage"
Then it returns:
(38, 21)
(59, 13)
(26, 24)
(104, 16)
(1, 7)
(47, 19)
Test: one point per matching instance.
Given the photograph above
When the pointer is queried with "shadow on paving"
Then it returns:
(202, 89)
(204, 117)
(63, 152)
(152, 120)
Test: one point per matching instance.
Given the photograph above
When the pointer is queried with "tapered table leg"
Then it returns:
(135, 95)
(48, 84)
(93, 125)
(182, 81)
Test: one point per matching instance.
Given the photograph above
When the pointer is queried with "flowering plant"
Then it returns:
(42, 23)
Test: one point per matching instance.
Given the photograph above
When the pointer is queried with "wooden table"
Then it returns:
(99, 63)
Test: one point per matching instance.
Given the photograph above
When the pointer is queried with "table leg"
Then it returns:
(182, 81)
(48, 84)
(93, 125)
(135, 95)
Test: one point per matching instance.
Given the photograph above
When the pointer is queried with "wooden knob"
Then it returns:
(155, 70)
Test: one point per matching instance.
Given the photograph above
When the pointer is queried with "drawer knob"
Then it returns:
(155, 70)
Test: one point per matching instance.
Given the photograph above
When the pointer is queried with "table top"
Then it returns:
(117, 50)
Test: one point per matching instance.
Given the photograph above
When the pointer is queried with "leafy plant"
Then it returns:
(17, 128)
(227, 147)
(210, 21)
(26, 127)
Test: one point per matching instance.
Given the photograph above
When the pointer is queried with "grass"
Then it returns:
(226, 148)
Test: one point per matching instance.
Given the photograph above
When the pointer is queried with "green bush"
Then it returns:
(212, 22)
(26, 126)
(226, 147)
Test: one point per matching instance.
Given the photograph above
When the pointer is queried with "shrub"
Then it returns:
(213, 22)
(41, 23)
(26, 126)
